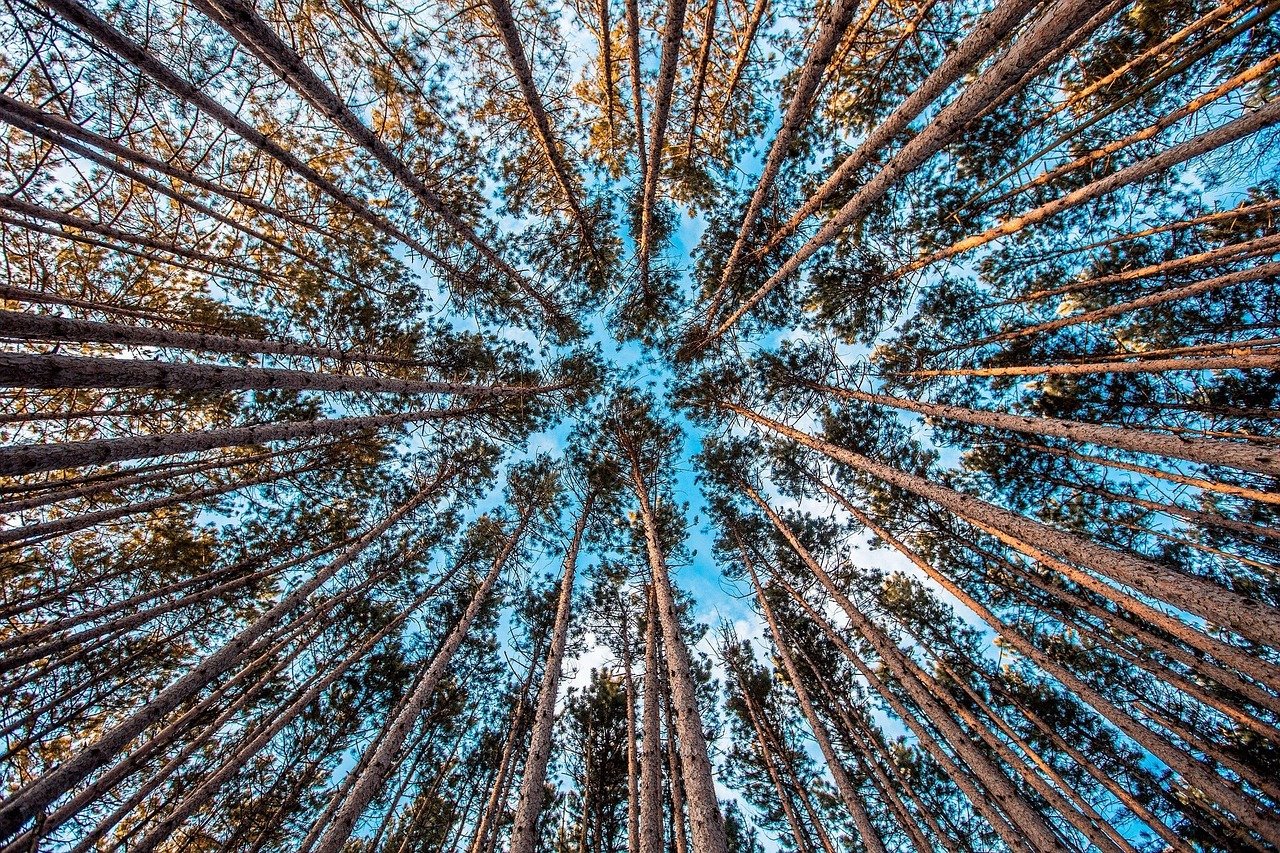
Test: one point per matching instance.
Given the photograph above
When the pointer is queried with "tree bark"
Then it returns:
(381, 759)
(844, 785)
(37, 795)
(651, 832)
(33, 458)
(1032, 827)
(1232, 131)
(1258, 460)
(45, 327)
(524, 828)
(1242, 614)
(706, 823)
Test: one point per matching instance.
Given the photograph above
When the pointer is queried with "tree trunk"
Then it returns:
(137, 56)
(633, 762)
(706, 823)
(744, 52)
(1232, 131)
(242, 22)
(524, 829)
(672, 30)
(1245, 360)
(30, 534)
(20, 370)
(381, 759)
(45, 327)
(844, 785)
(508, 33)
(38, 794)
(836, 16)
(700, 73)
(1259, 460)
(1034, 829)
(1207, 599)
(1192, 769)
(33, 458)
(983, 804)
(651, 832)
(986, 34)
(1150, 300)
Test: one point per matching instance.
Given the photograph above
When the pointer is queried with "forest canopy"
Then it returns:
(693, 426)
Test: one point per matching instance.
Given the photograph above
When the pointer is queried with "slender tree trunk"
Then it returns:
(30, 534)
(137, 56)
(844, 785)
(509, 34)
(800, 837)
(242, 22)
(651, 840)
(45, 327)
(524, 829)
(672, 29)
(33, 458)
(1259, 460)
(57, 129)
(706, 823)
(744, 52)
(1242, 614)
(679, 838)
(1245, 360)
(20, 370)
(124, 479)
(836, 17)
(1032, 826)
(986, 34)
(1149, 300)
(382, 758)
(1192, 769)
(1246, 125)
(633, 762)
(36, 796)
(700, 73)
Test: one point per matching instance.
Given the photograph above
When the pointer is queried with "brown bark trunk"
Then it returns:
(844, 785)
(700, 73)
(770, 766)
(1245, 360)
(31, 534)
(982, 803)
(381, 759)
(633, 761)
(651, 840)
(706, 823)
(1242, 614)
(1259, 460)
(138, 57)
(57, 128)
(672, 29)
(36, 796)
(1150, 300)
(46, 327)
(836, 17)
(744, 52)
(986, 34)
(33, 458)
(508, 33)
(1246, 125)
(242, 22)
(1192, 769)
(1034, 830)
(524, 828)
(21, 370)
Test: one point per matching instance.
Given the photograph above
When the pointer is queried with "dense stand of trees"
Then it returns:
(326, 525)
